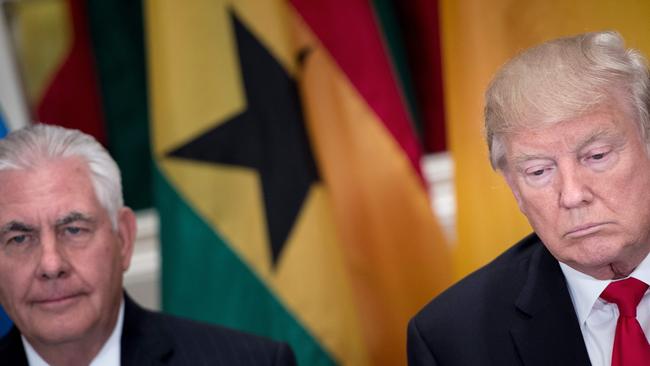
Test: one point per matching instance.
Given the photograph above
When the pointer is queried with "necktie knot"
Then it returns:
(626, 294)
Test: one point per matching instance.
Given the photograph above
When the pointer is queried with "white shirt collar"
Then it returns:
(585, 290)
(109, 355)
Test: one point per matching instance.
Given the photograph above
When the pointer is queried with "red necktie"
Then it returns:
(631, 347)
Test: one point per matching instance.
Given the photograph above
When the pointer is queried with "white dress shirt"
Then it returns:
(109, 355)
(597, 317)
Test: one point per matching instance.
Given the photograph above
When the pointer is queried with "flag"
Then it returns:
(478, 37)
(83, 67)
(412, 32)
(3, 127)
(117, 43)
(5, 323)
(13, 110)
(12, 101)
(287, 177)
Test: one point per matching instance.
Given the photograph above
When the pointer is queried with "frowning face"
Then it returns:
(61, 261)
(584, 185)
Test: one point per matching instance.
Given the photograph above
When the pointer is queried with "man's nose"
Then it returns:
(53, 262)
(575, 188)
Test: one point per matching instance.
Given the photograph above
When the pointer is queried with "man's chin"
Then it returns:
(602, 266)
(55, 330)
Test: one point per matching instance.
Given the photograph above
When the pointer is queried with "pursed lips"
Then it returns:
(56, 299)
(584, 230)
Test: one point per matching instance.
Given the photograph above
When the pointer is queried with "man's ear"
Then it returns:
(514, 188)
(126, 229)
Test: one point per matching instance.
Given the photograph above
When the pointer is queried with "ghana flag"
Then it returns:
(288, 184)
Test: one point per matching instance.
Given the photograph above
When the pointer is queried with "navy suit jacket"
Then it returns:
(150, 338)
(515, 311)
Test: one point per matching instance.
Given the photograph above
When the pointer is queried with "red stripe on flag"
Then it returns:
(72, 98)
(348, 29)
(420, 25)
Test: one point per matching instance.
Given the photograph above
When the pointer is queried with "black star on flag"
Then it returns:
(268, 136)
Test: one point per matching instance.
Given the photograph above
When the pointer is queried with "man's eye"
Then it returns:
(73, 230)
(538, 175)
(536, 172)
(18, 239)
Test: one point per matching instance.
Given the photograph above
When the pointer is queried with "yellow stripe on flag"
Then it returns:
(195, 83)
(44, 40)
(395, 253)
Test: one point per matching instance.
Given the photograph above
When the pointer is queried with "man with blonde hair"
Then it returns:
(65, 241)
(568, 127)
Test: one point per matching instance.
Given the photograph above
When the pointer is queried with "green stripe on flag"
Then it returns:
(117, 34)
(201, 275)
(390, 29)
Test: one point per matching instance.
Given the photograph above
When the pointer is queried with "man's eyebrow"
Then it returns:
(523, 157)
(599, 135)
(17, 226)
(72, 217)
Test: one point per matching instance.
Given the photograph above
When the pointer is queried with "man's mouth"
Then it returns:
(584, 230)
(58, 301)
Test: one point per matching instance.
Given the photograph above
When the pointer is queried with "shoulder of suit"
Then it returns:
(11, 349)
(153, 335)
(194, 336)
(497, 282)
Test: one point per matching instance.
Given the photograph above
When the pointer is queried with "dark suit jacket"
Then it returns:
(515, 311)
(150, 338)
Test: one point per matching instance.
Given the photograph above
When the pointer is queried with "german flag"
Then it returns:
(288, 178)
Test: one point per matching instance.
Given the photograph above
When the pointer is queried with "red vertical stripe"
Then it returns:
(348, 29)
(420, 26)
(72, 98)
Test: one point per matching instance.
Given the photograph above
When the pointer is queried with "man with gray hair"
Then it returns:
(66, 240)
(568, 127)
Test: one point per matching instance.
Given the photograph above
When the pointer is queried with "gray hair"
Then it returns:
(562, 79)
(37, 144)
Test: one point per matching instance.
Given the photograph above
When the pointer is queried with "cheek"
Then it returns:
(96, 264)
(537, 205)
(14, 285)
(628, 192)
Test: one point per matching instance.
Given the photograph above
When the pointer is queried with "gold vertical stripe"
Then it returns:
(43, 36)
(195, 83)
(396, 257)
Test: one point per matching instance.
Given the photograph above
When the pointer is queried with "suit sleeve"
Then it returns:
(419, 353)
(284, 356)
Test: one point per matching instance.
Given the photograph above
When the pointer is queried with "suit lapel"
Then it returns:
(143, 342)
(11, 349)
(548, 332)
